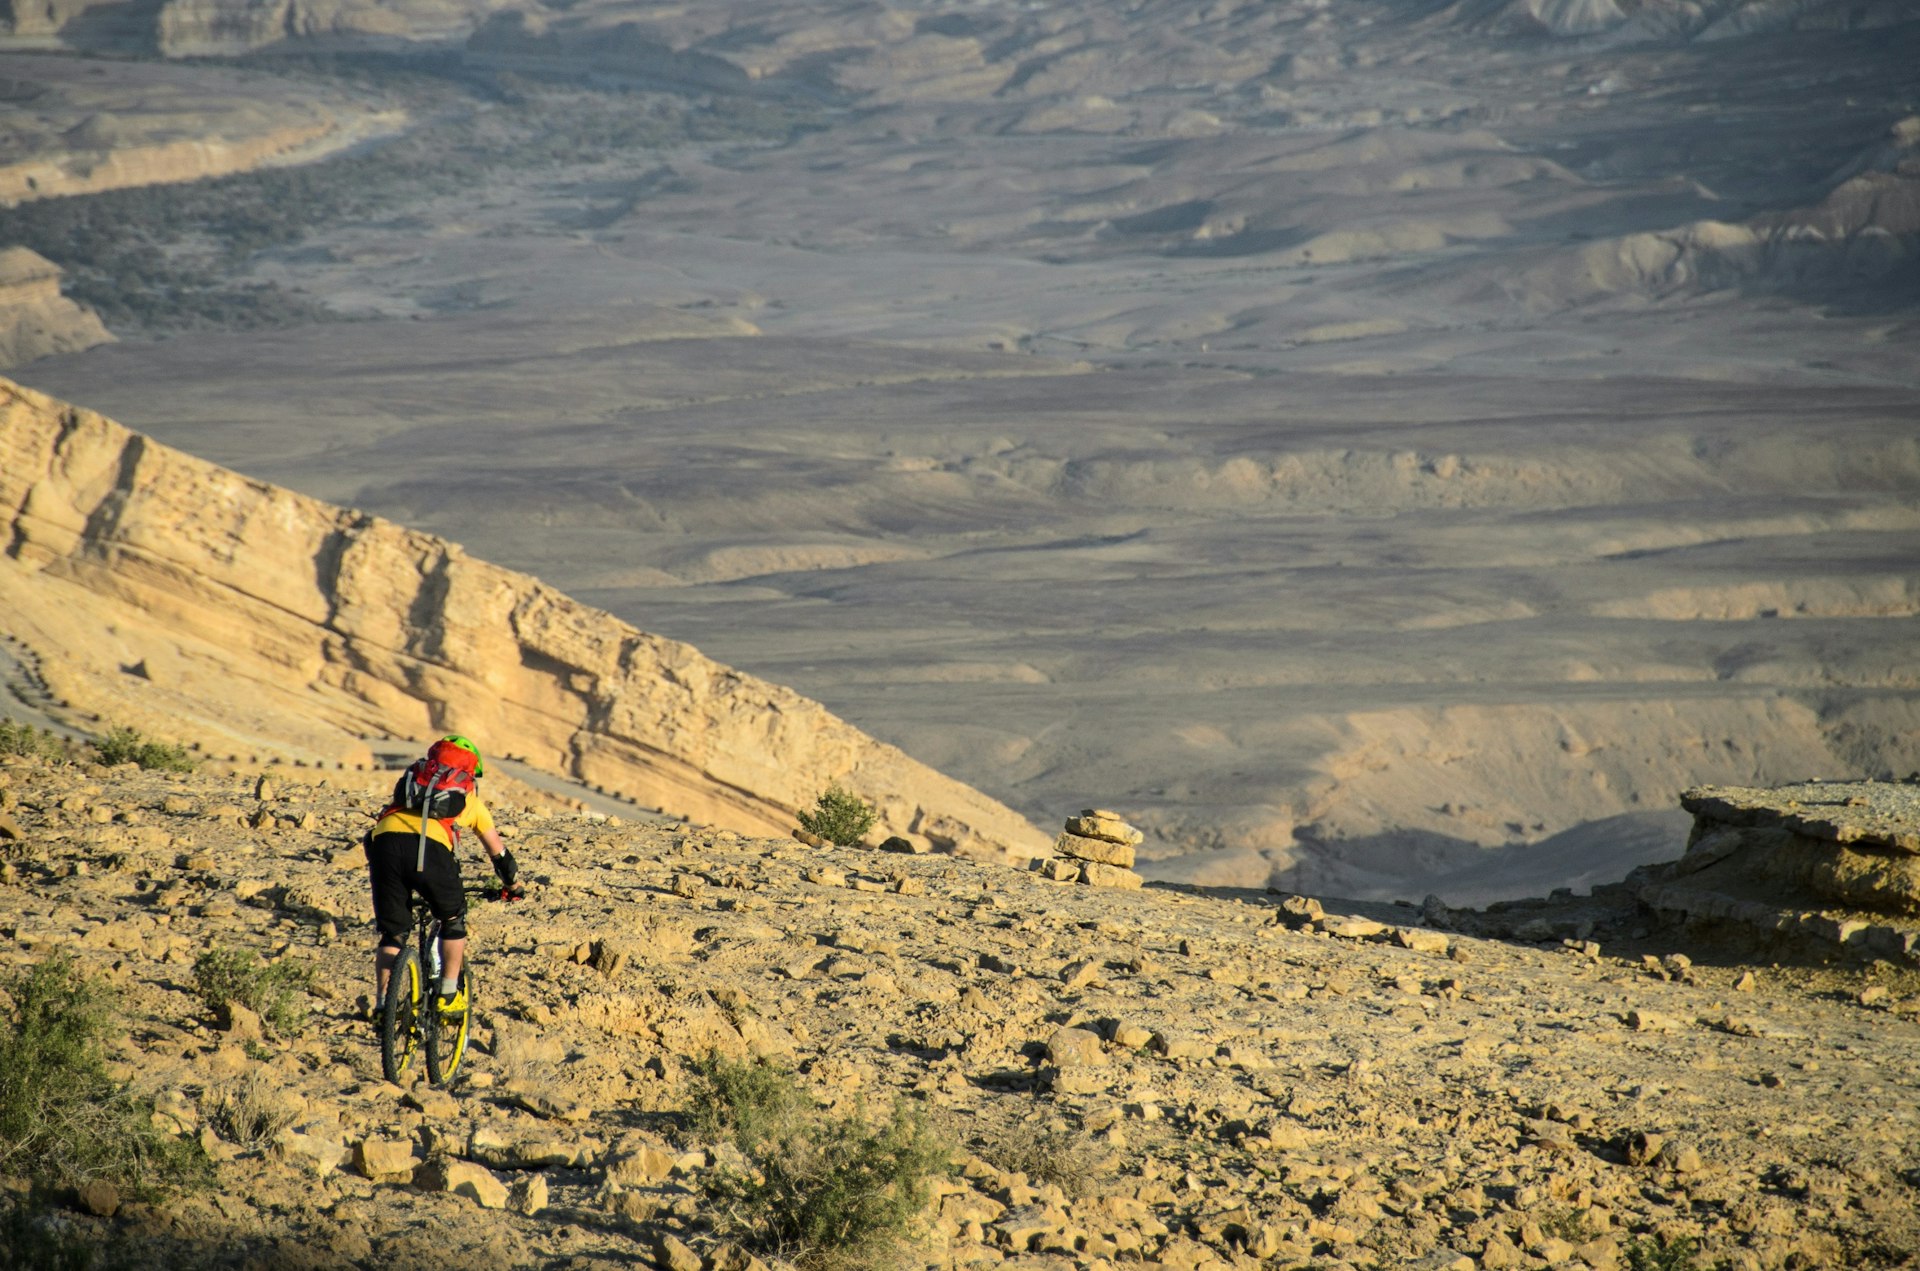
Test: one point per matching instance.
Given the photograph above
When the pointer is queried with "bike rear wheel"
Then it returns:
(400, 1015)
(447, 1034)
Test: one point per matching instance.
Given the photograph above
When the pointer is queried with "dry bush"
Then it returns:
(1045, 1154)
(250, 1111)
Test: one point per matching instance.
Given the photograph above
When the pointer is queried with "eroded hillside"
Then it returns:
(1194, 1080)
(1380, 446)
(159, 589)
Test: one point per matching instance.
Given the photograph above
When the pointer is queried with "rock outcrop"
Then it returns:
(1834, 862)
(238, 612)
(139, 123)
(1863, 232)
(35, 319)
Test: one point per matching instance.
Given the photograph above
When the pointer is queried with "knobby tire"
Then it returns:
(400, 1016)
(447, 1035)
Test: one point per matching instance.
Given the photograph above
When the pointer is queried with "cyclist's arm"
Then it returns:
(490, 837)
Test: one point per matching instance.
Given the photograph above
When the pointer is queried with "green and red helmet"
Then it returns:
(454, 741)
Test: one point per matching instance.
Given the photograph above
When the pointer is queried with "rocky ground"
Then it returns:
(1239, 1077)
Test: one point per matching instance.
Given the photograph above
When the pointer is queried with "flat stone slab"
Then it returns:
(1104, 851)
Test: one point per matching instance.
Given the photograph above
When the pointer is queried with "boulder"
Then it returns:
(528, 1195)
(381, 1159)
(238, 1022)
(1075, 1048)
(462, 1178)
(1095, 874)
(1056, 868)
(1096, 823)
(672, 1254)
(644, 1166)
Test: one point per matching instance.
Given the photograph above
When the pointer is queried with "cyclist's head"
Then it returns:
(456, 740)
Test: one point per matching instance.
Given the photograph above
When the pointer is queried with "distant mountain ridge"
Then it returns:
(167, 592)
(861, 49)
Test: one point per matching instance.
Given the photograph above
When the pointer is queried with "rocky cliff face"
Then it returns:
(235, 611)
(1835, 863)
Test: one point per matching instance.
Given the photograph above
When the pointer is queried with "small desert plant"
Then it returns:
(839, 816)
(744, 1103)
(275, 991)
(1678, 1254)
(130, 745)
(1061, 1157)
(836, 1193)
(26, 740)
(1571, 1225)
(62, 1118)
(249, 1112)
(828, 1193)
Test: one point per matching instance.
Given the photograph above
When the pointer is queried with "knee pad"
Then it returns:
(390, 943)
(454, 928)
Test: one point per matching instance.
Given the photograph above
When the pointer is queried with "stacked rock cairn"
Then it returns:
(1096, 849)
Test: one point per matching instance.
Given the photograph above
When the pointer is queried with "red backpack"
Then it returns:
(435, 788)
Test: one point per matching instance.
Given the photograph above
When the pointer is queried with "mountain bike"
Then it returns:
(410, 1017)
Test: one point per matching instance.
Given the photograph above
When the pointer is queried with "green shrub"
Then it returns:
(839, 816)
(828, 1193)
(744, 1103)
(275, 991)
(130, 745)
(836, 1193)
(62, 1118)
(25, 739)
(1679, 1254)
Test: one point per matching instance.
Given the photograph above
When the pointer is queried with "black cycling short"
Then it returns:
(390, 864)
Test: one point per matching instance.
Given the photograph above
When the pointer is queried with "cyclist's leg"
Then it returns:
(440, 884)
(392, 913)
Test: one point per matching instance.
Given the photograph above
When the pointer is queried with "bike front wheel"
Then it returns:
(447, 1034)
(400, 1016)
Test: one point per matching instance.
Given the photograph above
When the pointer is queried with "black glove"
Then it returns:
(504, 866)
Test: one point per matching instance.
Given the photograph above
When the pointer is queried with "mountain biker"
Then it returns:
(403, 857)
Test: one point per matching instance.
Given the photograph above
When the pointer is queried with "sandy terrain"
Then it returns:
(1383, 448)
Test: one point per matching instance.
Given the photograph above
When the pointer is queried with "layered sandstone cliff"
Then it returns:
(1834, 861)
(164, 591)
